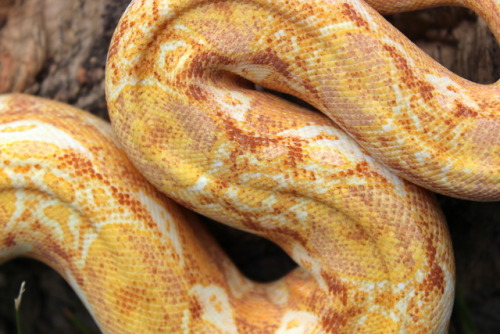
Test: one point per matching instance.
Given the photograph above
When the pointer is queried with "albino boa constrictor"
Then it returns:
(373, 249)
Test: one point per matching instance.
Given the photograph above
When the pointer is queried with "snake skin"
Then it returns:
(373, 250)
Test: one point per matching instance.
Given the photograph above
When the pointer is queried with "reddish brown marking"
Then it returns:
(279, 231)
(156, 12)
(354, 15)
(196, 93)
(195, 308)
(36, 225)
(409, 77)
(362, 170)
(362, 167)
(359, 236)
(223, 8)
(332, 321)
(201, 62)
(9, 240)
(119, 32)
(270, 58)
(53, 253)
(295, 153)
(248, 142)
(463, 111)
(435, 278)
(434, 281)
(335, 287)
(292, 234)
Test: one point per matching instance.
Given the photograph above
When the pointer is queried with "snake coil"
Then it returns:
(335, 190)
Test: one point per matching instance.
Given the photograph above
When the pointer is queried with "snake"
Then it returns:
(337, 181)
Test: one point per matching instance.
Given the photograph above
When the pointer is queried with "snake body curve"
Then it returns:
(421, 121)
(373, 250)
(70, 197)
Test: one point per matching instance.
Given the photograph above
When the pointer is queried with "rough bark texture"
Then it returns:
(47, 38)
(62, 56)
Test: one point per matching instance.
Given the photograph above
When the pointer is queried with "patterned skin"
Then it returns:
(373, 250)
(423, 122)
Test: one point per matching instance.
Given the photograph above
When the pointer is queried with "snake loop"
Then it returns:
(373, 249)
(423, 122)
(70, 197)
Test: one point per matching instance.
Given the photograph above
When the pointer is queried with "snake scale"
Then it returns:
(336, 190)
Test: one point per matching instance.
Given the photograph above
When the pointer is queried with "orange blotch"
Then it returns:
(61, 188)
(61, 214)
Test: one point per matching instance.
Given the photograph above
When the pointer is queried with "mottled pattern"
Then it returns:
(170, 59)
(373, 249)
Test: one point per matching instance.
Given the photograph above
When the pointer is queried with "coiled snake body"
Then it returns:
(373, 250)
